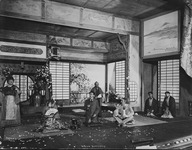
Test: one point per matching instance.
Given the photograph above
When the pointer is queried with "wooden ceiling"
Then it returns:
(136, 9)
(132, 9)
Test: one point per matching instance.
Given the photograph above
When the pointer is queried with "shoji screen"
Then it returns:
(60, 79)
(120, 77)
(168, 79)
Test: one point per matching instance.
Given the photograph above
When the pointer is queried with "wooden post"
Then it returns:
(127, 70)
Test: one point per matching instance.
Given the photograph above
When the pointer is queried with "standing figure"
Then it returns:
(168, 106)
(96, 108)
(123, 114)
(151, 105)
(37, 97)
(11, 99)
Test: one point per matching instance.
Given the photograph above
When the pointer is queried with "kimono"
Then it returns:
(98, 101)
(51, 120)
(170, 107)
(151, 106)
(10, 103)
(91, 107)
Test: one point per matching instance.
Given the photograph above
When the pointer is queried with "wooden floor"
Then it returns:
(177, 133)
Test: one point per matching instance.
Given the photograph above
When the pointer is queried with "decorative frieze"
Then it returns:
(59, 40)
(81, 43)
(22, 50)
(100, 45)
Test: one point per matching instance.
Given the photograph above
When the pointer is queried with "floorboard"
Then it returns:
(107, 136)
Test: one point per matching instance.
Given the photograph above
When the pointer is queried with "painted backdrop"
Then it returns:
(161, 35)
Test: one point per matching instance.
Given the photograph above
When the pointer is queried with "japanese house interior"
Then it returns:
(130, 47)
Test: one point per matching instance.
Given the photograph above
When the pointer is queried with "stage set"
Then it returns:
(59, 59)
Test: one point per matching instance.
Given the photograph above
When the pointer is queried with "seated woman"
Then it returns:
(151, 105)
(87, 108)
(123, 114)
(51, 118)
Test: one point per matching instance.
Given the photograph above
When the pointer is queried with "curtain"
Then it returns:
(186, 45)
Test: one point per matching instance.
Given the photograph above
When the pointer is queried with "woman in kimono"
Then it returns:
(51, 120)
(11, 109)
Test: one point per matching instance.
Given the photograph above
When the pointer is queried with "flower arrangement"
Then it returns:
(7, 72)
(43, 74)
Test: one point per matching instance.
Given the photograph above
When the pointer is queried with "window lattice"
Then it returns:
(120, 82)
(60, 79)
(120, 77)
(168, 79)
(133, 90)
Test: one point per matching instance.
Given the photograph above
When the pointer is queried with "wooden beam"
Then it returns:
(67, 15)
(22, 25)
(22, 58)
(22, 37)
(81, 49)
(150, 3)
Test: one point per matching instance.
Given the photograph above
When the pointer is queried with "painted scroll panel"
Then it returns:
(59, 40)
(22, 50)
(86, 75)
(58, 11)
(99, 45)
(161, 35)
(26, 7)
(97, 18)
(81, 43)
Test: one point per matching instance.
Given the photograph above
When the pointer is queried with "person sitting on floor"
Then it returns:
(51, 118)
(168, 106)
(91, 109)
(123, 113)
(87, 106)
(151, 105)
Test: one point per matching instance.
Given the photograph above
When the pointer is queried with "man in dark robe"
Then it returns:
(168, 106)
(96, 107)
(88, 108)
(151, 105)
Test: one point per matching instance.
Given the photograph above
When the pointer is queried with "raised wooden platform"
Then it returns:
(176, 133)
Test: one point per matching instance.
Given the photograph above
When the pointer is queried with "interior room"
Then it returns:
(67, 67)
